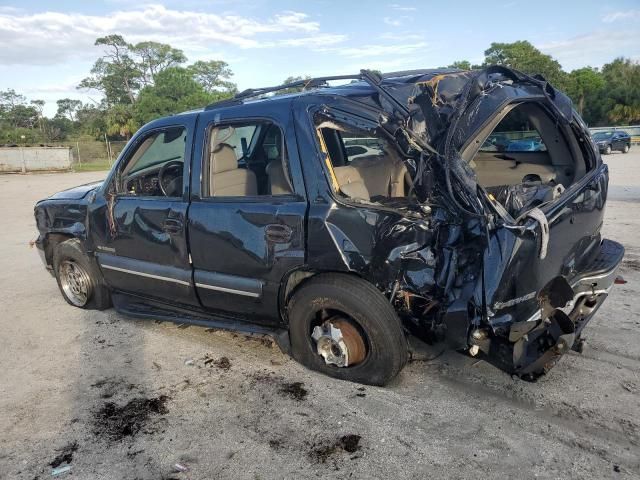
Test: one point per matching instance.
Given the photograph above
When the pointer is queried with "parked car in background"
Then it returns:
(526, 145)
(615, 140)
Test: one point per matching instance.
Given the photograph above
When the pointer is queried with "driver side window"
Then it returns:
(156, 165)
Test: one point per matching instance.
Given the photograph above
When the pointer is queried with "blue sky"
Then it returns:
(47, 47)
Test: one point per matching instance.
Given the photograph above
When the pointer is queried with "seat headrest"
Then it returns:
(223, 158)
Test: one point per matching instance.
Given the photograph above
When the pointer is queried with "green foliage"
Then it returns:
(289, 80)
(174, 91)
(68, 107)
(461, 65)
(213, 75)
(523, 56)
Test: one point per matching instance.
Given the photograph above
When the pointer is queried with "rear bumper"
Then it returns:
(596, 281)
(535, 345)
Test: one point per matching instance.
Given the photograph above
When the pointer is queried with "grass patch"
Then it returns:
(92, 166)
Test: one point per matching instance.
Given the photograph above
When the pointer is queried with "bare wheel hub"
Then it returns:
(339, 342)
(75, 282)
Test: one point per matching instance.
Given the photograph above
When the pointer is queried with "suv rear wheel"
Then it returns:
(625, 149)
(344, 327)
(79, 279)
(607, 151)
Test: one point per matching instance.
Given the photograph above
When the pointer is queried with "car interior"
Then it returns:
(524, 159)
(156, 165)
(373, 172)
(248, 159)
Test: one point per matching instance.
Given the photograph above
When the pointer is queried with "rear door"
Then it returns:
(247, 214)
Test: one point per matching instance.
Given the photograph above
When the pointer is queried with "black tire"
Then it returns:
(387, 348)
(625, 149)
(70, 251)
(607, 151)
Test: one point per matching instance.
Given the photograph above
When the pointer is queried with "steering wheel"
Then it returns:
(169, 188)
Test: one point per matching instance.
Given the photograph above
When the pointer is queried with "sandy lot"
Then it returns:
(66, 374)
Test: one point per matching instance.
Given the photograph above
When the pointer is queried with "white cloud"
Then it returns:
(373, 50)
(394, 22)
(402, 8)
(52, 37)
(621, 15)
(594, 48)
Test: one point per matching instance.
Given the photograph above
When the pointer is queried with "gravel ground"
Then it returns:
(121, 398)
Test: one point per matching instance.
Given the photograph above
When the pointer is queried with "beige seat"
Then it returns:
(277, 180)
(372, 176)
(351, 183)
(383, 175)
(227, 180)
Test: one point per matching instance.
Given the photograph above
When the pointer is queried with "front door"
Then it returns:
(139, 233)
(246, 219)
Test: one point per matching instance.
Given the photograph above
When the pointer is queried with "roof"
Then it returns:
(358, 87)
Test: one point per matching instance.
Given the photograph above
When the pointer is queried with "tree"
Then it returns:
(461, 64)
(622, 86)
(584, 83)
(175, 90)
(120, 121)
(116, 73)
(213, 75)
(68, 107)
(155, 57)
(289, 80)
(523, 56)
(38, 105)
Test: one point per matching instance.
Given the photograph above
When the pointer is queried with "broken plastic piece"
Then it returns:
(60, 470)
(539, 216)
(180, 467)
(619, 280)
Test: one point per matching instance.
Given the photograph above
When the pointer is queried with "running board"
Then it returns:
(137, 307)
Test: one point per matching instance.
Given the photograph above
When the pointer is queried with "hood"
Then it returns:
(76, 193)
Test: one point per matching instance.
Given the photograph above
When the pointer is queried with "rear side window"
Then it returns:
(246, 160)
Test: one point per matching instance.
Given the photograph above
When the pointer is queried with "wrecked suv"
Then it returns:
(453, 206)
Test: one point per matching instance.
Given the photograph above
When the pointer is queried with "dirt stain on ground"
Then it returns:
(117, 422)
(294, 390)
(222, 363)
(349, 443)
(65, 455)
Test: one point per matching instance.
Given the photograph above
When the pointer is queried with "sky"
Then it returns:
(46, 48)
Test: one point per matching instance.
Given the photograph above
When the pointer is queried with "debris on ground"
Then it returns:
(65, 455)
(60, 470)
(349, 443)
(222, 363)
(117, 422)
(295, 390)
(189, 362)
(179, 467)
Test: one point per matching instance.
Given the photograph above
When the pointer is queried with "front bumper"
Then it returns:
(534, 346)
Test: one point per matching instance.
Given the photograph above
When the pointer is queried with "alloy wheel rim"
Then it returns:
(75, 282)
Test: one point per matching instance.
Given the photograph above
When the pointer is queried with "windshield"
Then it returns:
(602, 135)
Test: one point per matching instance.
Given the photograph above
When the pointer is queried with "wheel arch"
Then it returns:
(295, 279)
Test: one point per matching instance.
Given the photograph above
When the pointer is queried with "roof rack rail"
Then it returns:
(305, 84)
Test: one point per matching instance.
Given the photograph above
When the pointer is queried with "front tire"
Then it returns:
(607, 151)
(336, 319)
(625, 149)
(79, 279)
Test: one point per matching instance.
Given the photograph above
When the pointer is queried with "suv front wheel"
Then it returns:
(344, 327)
(80, 282)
